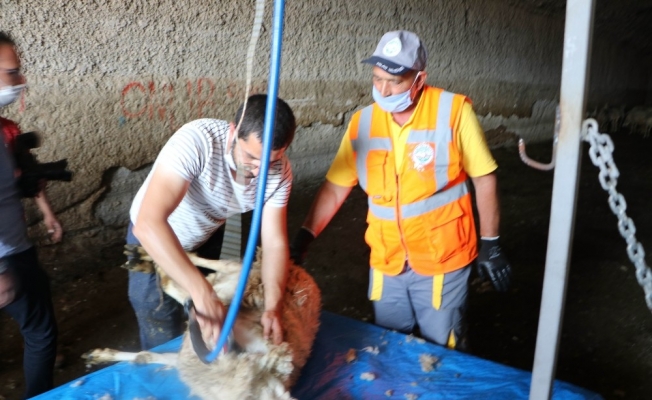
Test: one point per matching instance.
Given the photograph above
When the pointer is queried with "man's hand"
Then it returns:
(271, 321)
(493, 265)
(7, 288)
(299, 245)
(50, 220)
(210, 313)
(54, 227)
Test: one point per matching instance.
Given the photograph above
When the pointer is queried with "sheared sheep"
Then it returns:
(254, 368)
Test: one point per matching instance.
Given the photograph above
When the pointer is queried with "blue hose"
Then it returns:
(268, 135)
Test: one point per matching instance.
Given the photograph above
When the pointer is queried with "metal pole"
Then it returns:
(574, 78)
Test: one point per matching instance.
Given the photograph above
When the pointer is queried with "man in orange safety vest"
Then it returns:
(413, 152)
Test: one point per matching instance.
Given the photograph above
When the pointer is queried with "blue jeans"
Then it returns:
(159, 315)
(33, 311)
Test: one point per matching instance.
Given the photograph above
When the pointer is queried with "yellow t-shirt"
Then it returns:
(476, 156)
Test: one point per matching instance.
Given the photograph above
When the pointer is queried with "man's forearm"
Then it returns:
(43, 204)
(274, 273)
(158, 238)
(328, 201)
(486, 194)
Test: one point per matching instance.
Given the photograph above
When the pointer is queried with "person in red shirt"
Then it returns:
(25, 293)
(9, 131)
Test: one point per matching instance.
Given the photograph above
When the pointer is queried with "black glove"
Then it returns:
(300, 244)
(493, 264)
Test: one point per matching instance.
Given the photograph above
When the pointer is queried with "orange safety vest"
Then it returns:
(421, 213)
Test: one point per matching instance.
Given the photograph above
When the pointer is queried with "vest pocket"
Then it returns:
(380, 177)
(374, 238)
(387, 252)
(446, 231)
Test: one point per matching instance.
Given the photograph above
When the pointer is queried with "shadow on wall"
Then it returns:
(538, 127)
(121, 184)
(505, 132)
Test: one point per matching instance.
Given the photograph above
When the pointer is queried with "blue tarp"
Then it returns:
(391, 360)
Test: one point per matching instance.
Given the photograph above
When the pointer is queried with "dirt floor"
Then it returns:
(606, 344)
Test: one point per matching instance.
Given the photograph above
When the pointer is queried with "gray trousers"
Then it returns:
(436, 304)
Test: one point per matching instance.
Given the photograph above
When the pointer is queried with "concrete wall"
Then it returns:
(110, 80)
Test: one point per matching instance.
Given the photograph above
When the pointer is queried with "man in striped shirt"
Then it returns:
(208, 171)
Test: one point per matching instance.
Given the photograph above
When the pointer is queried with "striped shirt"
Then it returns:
(197, 153)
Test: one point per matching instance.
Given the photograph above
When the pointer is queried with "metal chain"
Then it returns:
(600, 152)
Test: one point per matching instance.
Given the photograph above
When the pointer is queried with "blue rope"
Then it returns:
(268, 135)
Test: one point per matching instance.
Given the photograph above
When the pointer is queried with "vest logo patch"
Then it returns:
(392, 48)
(422, 155)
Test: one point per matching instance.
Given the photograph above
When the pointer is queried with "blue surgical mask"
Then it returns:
(396, 102)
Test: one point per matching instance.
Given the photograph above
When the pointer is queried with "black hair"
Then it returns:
(5, 38)
(254, 119)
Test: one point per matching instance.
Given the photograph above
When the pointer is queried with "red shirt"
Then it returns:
(9, 132)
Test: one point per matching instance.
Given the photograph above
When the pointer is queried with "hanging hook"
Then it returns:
(535, 164)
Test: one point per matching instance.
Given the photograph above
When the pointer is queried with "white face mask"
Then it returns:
(9, 94)
(242, 172)
(230, 161)
(394, 103)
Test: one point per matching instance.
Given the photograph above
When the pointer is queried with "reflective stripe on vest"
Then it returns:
(417, 208)
(441, 136)
(365, 143)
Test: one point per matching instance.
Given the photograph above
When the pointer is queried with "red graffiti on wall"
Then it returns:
(131, 86)
(201, 100)
(156, 101)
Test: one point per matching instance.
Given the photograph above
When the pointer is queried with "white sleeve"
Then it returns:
(185, 152)
(281, 195)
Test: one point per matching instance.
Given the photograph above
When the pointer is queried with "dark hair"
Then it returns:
(254, 119)
(5, 38)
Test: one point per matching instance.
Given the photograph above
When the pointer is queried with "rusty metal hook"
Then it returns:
(535, 164)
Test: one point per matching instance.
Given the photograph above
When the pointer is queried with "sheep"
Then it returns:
(253, 368)
(648, 125)
(615, 115)
(637, 120)
(610, 119)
